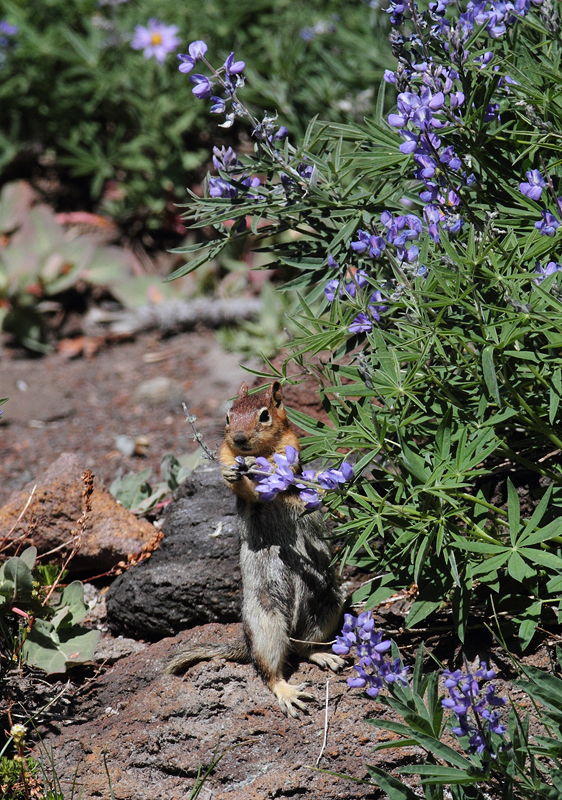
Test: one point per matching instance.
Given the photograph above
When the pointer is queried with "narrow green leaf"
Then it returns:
(490, 373)
(513, 514)
(434, 773)
(393, 788)
(555, 394)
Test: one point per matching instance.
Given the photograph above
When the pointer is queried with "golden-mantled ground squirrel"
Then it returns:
(290, 595)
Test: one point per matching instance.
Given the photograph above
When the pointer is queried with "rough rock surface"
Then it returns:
(112, 532)
(193, 577)
(157, 730)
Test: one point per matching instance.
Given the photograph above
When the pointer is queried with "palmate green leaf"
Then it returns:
(425, 740)
(489, 371)
(519, 569)
(434, 773)
(481, 547)
(513, 513)
(542, 557)
(489, 566)
(542, 686)
(420, 610)
(555, 395)
(527, 536)
(414, 463)
(549, 531)
(392, 787)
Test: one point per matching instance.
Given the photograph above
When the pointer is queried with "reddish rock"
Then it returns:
(157, 731)
(111, 531)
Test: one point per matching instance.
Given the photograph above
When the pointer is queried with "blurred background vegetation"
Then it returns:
(95, 126)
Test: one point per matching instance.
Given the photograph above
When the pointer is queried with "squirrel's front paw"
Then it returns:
(240, 469)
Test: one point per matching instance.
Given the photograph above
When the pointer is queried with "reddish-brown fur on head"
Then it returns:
(256, 424)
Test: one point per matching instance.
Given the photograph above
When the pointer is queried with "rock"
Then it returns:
(157, 730)
(112, 532)
(110, 650)
(31, 401)
(194, 575)
(161, 391)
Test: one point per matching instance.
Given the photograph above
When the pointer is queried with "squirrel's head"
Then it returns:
(256, 421)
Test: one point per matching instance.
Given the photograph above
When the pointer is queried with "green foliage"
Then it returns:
(264, 336)
(451, 401)
(135, 492)
(40, 262)
(75, 97)
(523, 766)
(47, 635)
(18, 777)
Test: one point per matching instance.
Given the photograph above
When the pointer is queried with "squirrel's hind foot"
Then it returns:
(291, 697)
(327, 661)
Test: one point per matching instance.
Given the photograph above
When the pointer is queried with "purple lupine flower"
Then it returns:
(348, 637)
(311, 498)
(411, 142)
(233, 67)
(361, 324)
(7, 29)
(362, 243)
(290, 458)
(449, 158)
(394, 671)
(203, 87)
(361, 278)
(225, 159)
(280, 134)
(456, 99)
(219, 105)
(492, 112)
(332, 477)
(474, 718)
(534, 184)
(433, 216)
(376, 305)
(197, 51)
(373, 670)
(548, 225)
(156, 39)
(331, 289)
(305, 171)
(544, 272)
(453, 223)
(219, 187)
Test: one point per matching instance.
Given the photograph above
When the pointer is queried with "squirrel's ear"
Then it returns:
(243, 391)
(276, 393)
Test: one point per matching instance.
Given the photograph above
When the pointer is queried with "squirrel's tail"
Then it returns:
(237, 651)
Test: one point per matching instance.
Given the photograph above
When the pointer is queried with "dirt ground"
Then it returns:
(130, 389)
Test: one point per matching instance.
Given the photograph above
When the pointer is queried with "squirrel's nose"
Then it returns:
(240, 437)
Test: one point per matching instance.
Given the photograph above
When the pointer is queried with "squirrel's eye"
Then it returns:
(264, 416)
(228, 419)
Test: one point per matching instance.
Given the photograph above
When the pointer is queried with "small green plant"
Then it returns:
(37, 625)
(23, 777)
(500, 756)
(135, 492)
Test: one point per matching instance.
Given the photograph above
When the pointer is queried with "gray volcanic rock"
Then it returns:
(193, 577)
